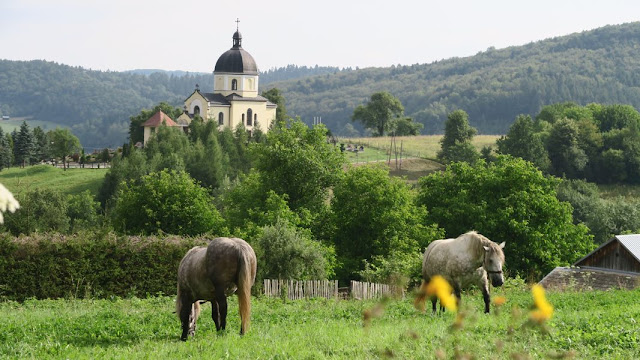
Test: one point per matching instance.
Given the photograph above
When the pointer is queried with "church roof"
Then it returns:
(221, 100)
(158, 118)
(236, 60)
(216, 99)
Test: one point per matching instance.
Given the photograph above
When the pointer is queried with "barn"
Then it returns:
(613, 265)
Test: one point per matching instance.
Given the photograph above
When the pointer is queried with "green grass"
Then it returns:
(589, 325)
(14, 124)
(423, 146)
(71, 181)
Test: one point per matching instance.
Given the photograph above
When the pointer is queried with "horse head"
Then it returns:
(493, 261)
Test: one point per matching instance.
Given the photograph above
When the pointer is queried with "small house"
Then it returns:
(6, 117)
(613, 265)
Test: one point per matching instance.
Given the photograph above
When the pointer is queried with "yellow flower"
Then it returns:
(499, 300)
(440, 287)
(543, 310)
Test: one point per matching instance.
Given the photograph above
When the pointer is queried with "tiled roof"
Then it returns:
(216, 99)
(158, 119)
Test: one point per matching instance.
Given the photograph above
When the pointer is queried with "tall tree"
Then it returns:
(63, 144)
(6, 151)
(41, 144)
(23, 145)
(456, 142)
(378, 113)
(522, 141)
(275, 96)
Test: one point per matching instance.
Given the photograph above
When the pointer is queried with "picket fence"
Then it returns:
(301, 289)
(365, 290)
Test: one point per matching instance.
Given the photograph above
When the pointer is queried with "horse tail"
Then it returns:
(246, 277)
(178, 302)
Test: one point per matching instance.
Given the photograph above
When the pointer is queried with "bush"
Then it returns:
(41, 210)
(89, 265)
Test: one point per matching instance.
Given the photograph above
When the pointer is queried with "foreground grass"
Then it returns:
(587, 325)
(72, 181)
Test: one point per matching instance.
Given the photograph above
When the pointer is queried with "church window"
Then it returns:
(234, 84)
(196, 110)
(242, 119)
(220, 118)
(249, 116)
(255, 119)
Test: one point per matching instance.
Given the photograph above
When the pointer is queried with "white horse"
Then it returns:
(469, 259)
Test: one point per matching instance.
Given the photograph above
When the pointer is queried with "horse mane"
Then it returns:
(479, 241)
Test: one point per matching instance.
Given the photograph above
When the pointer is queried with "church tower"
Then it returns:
(234, 101)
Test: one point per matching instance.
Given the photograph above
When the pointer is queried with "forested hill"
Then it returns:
(494, 86)
(601, 65)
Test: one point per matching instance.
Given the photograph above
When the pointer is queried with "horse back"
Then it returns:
(225, 257)
(192, 275)
(450, 258)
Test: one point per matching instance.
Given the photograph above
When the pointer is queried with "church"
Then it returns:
(234, 99)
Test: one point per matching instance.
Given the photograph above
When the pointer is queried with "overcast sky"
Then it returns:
(190, 35)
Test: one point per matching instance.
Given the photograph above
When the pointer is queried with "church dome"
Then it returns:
(236, 60)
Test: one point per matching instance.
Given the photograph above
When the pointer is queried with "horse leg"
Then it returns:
(221, 299)
(457, 292)
(215, 314)
(487, 300)
(185, 317)
(433, 304)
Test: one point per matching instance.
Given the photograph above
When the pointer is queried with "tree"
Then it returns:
(167, 201)
(374, 215)
(456, 142)
(405, 126)
(275, 96)
(41, 210)
(23, 146)
(508, 200)
(285, 252)
(567, 158)
(6, 150)
(41, 151)
(298, 161)
(378, 113)
(522, 141)
(83, 212)
(63, 144)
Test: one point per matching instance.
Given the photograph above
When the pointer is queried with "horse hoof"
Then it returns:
(183, 338)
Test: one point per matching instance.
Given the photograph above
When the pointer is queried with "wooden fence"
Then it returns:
(365, 290)
(301, 289)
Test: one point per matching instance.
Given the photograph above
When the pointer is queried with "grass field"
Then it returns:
(71, 181)
(14, 124)
(423, 146)
(585, 325)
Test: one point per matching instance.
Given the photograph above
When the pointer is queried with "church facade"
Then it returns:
(235, 98)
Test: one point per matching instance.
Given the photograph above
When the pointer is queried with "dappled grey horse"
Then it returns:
(212, 273)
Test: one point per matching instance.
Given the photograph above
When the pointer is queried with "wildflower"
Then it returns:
(499, 300)
(439, 287)
(7, 202)
(543, 310)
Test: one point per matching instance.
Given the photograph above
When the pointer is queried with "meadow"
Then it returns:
(585, 325)
(422, 146)
(72, 181)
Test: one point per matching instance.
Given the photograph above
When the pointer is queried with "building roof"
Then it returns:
(630, 242)
(158, 119)
(236, 60)
(216, 99)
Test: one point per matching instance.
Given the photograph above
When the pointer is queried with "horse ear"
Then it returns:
(502, 245)
(486, 248)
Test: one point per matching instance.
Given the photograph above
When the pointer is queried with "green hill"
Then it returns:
(493, 86)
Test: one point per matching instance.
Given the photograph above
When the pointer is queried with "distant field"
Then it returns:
(424, 146)
(15, 122)
(72, 181)
(631, 192)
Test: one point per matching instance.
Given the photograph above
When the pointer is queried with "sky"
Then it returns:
(189, 35)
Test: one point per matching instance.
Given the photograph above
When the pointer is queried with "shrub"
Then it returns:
(89, 265)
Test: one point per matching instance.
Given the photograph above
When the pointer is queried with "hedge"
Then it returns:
(97, 265)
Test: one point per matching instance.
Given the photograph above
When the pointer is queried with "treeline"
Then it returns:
(493, 87)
